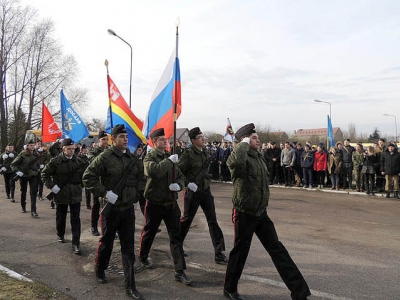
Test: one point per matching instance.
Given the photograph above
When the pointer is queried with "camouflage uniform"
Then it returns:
(250, 199)
(357, 159)
(102, 175)
(6, 159)
(66, 173)
(95, 212)
(44, 158)
(161, 205)
(27, 162)
(191, 162)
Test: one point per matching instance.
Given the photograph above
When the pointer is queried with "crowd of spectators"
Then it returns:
(370, 169)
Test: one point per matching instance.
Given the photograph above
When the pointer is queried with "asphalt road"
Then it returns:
(346, 245)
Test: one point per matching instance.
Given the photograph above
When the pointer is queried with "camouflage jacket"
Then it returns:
(110, 166)
(67, 174)
(191, 162)
(27, 162)
(250, 180)
(159, 172)
(94, 153)
(6, 159)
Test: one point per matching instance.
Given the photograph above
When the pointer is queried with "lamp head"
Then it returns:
(316, 100)
(111, 32)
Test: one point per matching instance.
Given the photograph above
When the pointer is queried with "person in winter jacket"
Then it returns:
(320, 165)
(334, 166)
(370, 162)
(390, 167)
(307, 163)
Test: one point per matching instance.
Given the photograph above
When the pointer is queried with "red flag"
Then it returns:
(50, 130)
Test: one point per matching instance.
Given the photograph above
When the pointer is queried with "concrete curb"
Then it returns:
(329, 191)
(13, 274)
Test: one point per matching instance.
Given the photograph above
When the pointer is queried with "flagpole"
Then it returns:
(176, 90)
(108, 92)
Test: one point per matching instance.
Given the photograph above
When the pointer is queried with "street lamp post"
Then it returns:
(112, 32)
(395, 124)
(330, 117)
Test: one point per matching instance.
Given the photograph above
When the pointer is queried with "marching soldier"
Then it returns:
(161, 194)
(6, 159)
(114, 175)
(95, 212)
(194, 162)
(44, 158)
(250, 199)
(63, 175)
(26, 167)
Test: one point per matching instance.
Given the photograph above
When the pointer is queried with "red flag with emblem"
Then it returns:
(50, 130)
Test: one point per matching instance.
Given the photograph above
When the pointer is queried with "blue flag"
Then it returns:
(330, 132)
(73, 126)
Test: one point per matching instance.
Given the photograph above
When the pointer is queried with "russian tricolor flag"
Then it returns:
(165, 96)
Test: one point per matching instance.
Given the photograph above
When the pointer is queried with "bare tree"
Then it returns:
(36, 70)
(14, 22)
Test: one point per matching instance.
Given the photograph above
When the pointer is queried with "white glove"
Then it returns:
(40, 149)
(5, 156)
(11, 155)
(246, 140)
(3, 169)
(41, 166)
(111, 197)
(192, 186)
(174, 158)
(19, 173)
(174, 187)
(55, 189)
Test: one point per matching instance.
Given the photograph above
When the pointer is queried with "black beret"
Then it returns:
(194, 132)
(348, 140)
(120, 128)
(84, 146)
(67, 142)
(392, 145)
(247, 129)
(156, 133)
(140, 146)
(10, 144)
(102, 134)
(30, 142)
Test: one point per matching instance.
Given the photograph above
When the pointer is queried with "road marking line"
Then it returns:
(271, 282)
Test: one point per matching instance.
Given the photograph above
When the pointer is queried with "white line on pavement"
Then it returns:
(272, 282)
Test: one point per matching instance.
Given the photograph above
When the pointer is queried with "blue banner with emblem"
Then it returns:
(73, 126)
(330, 132)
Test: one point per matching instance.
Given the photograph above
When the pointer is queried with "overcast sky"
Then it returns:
(250, 61)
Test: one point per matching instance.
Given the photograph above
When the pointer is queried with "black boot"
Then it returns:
(387, 194)
(396, 195)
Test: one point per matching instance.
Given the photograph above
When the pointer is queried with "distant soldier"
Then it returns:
(83, 155)
(96, 151)
(26, 167)
(44, 158)
(6, 159)
(115, 175)
(63, 175)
